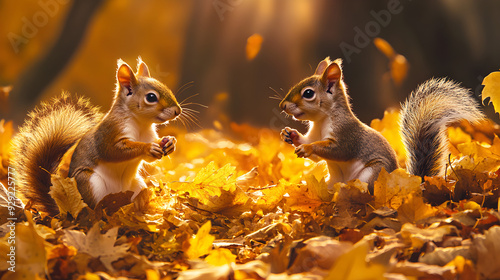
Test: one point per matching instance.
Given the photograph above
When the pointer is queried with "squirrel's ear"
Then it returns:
(332, 73)
(322, 66)
(142, 68)
(125, 75)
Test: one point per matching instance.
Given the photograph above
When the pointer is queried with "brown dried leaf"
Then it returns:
(97, 245)
(65, 192)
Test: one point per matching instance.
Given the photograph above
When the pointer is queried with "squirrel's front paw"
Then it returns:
(290, 135)
(304, 150)
(168, 144)
(155, 151)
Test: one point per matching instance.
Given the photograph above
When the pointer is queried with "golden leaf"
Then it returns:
(66, 194)
(254, 44)
(399, 69)
(220, 256)
(384, 46)
(492, 89)
(30, 254)
(391, 189)
(417, 237)
(390, 129)
(353, 266)
(414, 209)
(201, 243)
(397, 62)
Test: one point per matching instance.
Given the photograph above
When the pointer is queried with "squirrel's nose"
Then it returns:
(177, 111)
(283, 105)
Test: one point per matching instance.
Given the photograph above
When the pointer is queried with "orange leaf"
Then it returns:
(254, 44)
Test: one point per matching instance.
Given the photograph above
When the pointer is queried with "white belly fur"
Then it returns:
(348, 170)
(111, 177)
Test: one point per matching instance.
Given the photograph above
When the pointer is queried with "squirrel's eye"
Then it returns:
(151, 98)
(308, 94)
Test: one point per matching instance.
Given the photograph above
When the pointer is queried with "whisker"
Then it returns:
(190, 110)
(185, 121)
(193, 103)
(179, 119)
(277, 93)
(190, 119)
(275, 97)
(189, 97)
(191, 116)
(184, 87)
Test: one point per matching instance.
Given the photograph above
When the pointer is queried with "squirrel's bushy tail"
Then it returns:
(47, 134)
(424, 118)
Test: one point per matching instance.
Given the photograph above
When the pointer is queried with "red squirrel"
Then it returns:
(352, 149)
(109, 149)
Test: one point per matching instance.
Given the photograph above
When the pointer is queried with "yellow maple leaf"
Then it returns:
(208, 182)
(65, 192)
(414, 209)
(353, 266)
(389, 127)
(270, 196)
(220, 256)
(481, 150)
(492, 89)
(201, 243)
(458, 136)
(391, 189)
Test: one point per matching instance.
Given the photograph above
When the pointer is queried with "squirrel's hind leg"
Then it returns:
(83, 178)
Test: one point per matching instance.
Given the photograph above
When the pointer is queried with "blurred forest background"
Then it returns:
(47, 46)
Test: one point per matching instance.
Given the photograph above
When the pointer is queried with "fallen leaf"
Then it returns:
(29, 256)
(97, 245)
(492, 89)
(320, 252)
(201, 243)
(414, 209)
(389, 127)
(487, 249)
(220, 256)
(65, 192)
(353, 266)
(418, 236)
(391, 189)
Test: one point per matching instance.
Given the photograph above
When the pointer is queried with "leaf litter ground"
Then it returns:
(238, 204)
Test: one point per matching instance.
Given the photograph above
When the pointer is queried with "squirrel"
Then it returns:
(109, 149)
(354, 150)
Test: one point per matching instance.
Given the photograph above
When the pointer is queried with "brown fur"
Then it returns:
(49, 131)
(347, 139)
(424, 118)
(55, 127)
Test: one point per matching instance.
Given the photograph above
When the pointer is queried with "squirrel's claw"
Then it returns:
(290, 135)
(168, 145)
(155, 151)
(304, 151)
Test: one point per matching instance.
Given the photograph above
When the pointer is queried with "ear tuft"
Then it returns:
(125, 76)
(142, 68)
(322, 66)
